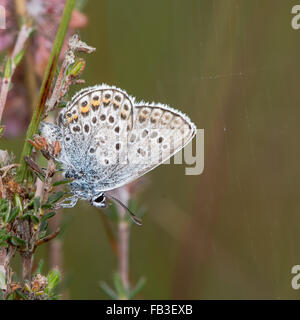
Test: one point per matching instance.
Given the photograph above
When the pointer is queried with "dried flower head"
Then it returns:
(39, 283)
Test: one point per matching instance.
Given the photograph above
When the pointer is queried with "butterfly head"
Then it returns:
(99, 200)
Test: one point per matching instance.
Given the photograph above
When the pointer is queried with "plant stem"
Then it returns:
(30, 80)
(26, 265)
(123, 240)
(6, 81)
(46, 85)
(123, 253)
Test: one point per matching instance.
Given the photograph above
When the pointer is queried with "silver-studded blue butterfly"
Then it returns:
(108, 140)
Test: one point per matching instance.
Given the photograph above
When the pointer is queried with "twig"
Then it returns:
(48, 238)
(64, 81)
(7, 168)
(12, 63)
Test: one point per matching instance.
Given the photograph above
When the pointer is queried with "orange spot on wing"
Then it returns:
(105, 100)
(95, 103)
(84, 109)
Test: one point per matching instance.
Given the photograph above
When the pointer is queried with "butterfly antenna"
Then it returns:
(133, 217)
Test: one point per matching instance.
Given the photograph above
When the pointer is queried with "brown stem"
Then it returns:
(7, 168)
(48, 238)
(27, 258)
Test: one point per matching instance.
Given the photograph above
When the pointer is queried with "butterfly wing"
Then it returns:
(109, 140)
(158, 133)
(94, 129)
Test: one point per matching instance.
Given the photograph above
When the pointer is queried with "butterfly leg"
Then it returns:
(67, 202)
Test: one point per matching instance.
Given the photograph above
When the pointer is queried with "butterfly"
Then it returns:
(108, 140)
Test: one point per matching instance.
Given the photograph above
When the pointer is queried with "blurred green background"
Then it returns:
(234, 231)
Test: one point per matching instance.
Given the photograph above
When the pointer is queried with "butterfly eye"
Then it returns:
(99, 200)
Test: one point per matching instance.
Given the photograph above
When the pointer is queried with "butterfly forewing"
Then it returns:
(96, 122)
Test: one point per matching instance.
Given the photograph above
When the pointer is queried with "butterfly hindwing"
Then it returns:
(158, 133)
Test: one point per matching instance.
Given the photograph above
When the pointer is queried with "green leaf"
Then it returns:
(42, 234)
(139, 286)
(39, 175)
(110, 292)
(75, 68)
(43, 226)
(19, 57)
(31, 195)
(20, 294)
(29, 205)
(8, 69)
(4, 237)
(13, 214)
(3, 205)
(6, 212)
(119, 286)
(17, 241)
(62, 105)
(54, 278)
(48, 215)
(3, 244)
(26, 215)
(46, 206)
(36, 204)
(3, 233)
(57, 183)
(54, 198)
(34, 219)
(18, 203)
